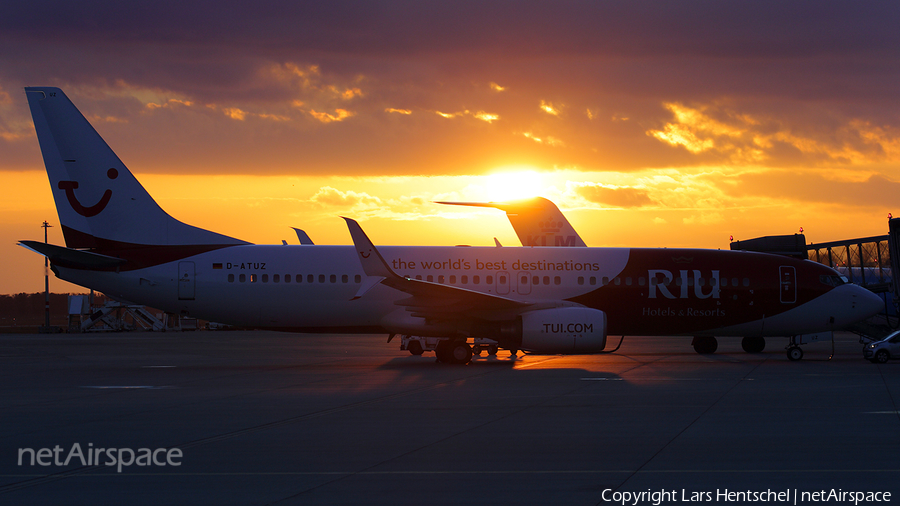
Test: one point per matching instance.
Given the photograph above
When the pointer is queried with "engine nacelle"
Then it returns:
(570, 330)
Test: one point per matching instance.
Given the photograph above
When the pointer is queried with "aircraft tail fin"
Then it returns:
(537, 221)
(101, 205)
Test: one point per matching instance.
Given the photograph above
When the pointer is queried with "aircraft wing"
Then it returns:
(428, 300)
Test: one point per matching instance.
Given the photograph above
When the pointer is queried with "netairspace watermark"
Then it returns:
(786, 496)
(118, 457)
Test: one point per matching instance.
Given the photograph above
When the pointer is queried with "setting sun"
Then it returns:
(514, 185)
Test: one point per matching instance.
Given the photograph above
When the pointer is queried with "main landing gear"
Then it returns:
(448, 351)
(753, 344)
(454, 351)
(706, 345)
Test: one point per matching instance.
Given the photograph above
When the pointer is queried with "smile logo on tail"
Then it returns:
(94, 210)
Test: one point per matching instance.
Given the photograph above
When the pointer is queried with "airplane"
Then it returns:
(553, 300)
(537, 221)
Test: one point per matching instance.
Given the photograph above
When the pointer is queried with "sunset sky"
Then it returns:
(649, 123)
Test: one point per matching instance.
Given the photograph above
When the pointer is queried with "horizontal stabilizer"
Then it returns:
(73, 258)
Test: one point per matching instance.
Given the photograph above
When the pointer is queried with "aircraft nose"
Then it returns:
(866, 303)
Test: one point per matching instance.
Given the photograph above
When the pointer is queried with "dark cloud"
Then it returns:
(610, 66)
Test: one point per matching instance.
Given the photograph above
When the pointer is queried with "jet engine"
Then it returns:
(564, 330)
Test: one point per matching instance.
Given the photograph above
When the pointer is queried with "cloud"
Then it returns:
(481, 115)
(329, 196)
(549, 108)
(548, 140)
(614, 196)
(809, 187)
(736, 137)
(339, 115)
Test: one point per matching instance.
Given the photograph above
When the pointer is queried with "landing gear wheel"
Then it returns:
(415, 347)
(881, 357)
(492, 349)
(441, 352)
(753, 344)
(794, 353)
(460, 353)
(476, 349)
(705, 345)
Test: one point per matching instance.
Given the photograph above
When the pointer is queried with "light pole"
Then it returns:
(46, 328)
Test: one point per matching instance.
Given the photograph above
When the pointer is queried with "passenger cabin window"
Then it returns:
(231, 278)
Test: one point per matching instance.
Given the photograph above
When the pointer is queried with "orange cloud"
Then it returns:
(549, 108)
(339, 115)
(548, 140)
(169, 103)
(481, 115)
(235, 113)
(614, 196)
(329, 196)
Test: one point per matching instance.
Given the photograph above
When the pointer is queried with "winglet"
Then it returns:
(302, 236)
(373, 263)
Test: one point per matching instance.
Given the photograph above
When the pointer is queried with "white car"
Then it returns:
(880, 352)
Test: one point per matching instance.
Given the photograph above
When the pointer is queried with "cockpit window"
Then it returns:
(833, 280)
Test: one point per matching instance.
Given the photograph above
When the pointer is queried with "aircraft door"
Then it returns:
(788, 276)
(502, 283)
(523, 283)
(186, 281)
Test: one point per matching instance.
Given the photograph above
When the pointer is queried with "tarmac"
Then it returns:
(258, 418)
